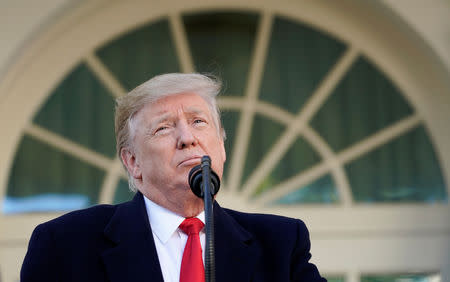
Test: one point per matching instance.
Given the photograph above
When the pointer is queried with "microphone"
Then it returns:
(203, 181)
(196, 178)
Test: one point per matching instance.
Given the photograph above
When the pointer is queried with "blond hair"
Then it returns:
(158, 87)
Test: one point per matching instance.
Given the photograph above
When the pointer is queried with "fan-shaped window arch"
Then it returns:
(361, 105)
(312, 120)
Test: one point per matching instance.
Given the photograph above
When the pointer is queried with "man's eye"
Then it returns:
(199, 121)
(161, 128)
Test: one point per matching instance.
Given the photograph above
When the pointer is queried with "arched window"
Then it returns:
(318, 127)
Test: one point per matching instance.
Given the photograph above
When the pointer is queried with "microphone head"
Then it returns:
(196, 181)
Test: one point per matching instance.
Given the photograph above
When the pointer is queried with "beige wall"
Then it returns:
(22, 23)
(22, 20)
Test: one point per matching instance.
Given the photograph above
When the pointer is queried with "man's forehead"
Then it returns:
(171, 113)
(173, 105)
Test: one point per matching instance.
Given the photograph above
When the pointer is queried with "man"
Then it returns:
(163, 128)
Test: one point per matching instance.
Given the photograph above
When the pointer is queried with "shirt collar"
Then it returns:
(163, 221)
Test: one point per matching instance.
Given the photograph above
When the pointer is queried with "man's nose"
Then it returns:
(186, 137)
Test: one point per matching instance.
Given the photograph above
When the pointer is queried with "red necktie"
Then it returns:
(192, 264)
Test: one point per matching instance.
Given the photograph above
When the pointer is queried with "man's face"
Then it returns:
(170, 137)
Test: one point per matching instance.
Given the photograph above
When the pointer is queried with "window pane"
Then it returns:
(141, 54)
(298, 59)
(320, 191)
(299, 157)
(404, 170)
(402, 278)
(364, 102)
(41, 177)
(230, 120)
(264, 134)
(81, 109)
(222, 43)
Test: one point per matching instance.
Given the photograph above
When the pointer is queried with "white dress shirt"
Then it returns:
(169, 239)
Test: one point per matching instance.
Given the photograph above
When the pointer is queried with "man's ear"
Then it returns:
(129, 159)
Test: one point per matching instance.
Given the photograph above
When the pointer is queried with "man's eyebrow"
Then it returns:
(167, 116)
(156, 121)
(195, 110)
(161, 118)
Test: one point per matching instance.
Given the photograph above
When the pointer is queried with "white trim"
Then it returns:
(313, 104)
(181, 43)
(290, 185)
(366, 226)
(390, 254)
(310, 135)
(274, 112)
(104, 75)
(11, 258)
(69, 147)
(364, 146)
(19, 227)
(109, 185)
(253, 83)
(337, 170)
(324, 222)
(353, 275)
(230, 103)
(379, 138)
(330, 255)
(377, 48)
(326, 87)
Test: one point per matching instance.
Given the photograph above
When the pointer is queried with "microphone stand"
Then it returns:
(208, 199)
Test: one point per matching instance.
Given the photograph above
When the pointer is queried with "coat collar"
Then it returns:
(236, 250)
(134, 258)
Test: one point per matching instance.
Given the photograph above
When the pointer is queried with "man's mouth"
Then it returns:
(194, 160)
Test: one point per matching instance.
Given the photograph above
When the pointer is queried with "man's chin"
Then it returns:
(183, 174)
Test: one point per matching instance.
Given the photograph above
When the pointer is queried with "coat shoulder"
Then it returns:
(89, 220)
(267, 223)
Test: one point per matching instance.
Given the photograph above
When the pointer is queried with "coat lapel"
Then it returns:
(237, 253)
(133, 256)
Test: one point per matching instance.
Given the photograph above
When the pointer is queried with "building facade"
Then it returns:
(336, 112)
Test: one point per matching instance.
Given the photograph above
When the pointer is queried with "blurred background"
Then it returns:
(336, 112)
